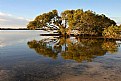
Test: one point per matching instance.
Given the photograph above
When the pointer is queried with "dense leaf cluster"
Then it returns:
(87, 22)
(112, 32)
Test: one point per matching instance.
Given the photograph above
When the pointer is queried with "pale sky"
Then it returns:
(17, 13)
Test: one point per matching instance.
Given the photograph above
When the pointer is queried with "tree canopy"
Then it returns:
(112, 32)
(85, 21)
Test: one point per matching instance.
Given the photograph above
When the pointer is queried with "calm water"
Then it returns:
(26, 56)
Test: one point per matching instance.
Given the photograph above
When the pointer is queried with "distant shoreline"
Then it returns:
(18, 29)
(13, 29)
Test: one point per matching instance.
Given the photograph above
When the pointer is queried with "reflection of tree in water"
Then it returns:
(70, 48)
(110, 46)
(41, 47)
(85, 50)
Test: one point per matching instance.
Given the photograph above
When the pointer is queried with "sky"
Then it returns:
(17, 13)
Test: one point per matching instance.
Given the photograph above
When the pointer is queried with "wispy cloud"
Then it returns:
(11, 21)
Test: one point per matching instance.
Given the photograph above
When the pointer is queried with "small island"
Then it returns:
(78, 23)
(60, 40)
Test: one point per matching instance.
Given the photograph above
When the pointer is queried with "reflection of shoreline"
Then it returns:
(9, 38)
(8, 42)
(4, 44)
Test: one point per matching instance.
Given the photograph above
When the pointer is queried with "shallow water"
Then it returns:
(26, 56)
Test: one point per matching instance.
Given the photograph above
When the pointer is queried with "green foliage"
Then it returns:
(87, 22)
(112, 32)
(32, 25)
(120, 28)
(45, 19)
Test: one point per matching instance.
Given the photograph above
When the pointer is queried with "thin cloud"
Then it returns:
(10, 21)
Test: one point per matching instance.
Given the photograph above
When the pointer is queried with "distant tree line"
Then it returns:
(86, 22)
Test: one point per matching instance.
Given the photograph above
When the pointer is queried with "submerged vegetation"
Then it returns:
(85, 22)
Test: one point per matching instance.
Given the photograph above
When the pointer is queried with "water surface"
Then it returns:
(26, 56)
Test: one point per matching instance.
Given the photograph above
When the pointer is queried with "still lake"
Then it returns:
(27, 56)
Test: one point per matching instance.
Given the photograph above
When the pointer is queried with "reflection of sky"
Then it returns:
(9, 37)
(18, 60)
